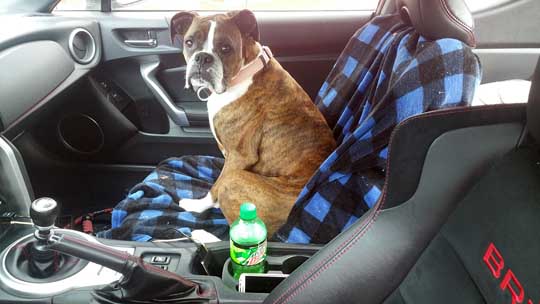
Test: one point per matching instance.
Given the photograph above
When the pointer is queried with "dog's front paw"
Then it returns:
(199, 205)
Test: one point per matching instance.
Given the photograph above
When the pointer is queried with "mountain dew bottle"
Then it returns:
(248, 242)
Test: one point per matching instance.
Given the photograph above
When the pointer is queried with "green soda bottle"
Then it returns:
(248, 242)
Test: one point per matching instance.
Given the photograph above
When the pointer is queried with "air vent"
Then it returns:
(82, 46)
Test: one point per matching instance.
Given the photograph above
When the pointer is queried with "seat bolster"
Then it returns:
(392, 239)
(405, 164)
(436, 19)
(533, 105)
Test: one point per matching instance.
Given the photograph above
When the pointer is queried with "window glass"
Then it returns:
(219, 5)
(313, 5)
(177, 5)
(256, 5)
(480, 5)
(79, 5)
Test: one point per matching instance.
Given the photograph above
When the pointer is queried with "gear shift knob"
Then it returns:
(43, 212)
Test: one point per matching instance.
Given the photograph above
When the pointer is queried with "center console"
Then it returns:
(209, 264)
(42, 264)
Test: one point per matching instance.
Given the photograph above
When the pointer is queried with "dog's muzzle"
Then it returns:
(205, 74)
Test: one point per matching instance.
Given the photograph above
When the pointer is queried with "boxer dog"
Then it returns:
(271, 134)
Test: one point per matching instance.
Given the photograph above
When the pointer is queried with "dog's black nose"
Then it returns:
(204, 58)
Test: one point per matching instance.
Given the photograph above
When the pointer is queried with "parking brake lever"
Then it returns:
(102, 255)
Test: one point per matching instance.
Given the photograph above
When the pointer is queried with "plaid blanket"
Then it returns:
(151, 210)
(386, 73)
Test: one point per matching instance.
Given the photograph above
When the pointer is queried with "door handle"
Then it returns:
(148, 73)
(148, 43)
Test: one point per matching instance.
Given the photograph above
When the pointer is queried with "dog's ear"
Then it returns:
(246, 22)
(181, 22)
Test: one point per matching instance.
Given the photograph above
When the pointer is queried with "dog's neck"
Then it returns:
(239, 86)
(253, 67)
(241, 82)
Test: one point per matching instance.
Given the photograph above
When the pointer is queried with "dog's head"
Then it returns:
(216, 47)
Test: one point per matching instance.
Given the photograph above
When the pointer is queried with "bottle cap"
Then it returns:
(248, 211)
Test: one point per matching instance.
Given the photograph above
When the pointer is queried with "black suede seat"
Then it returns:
(496, 222)
(488, 250)
(457, 221)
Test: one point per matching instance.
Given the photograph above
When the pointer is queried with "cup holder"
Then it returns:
(280, 264)
(227, 276)
(281, 259)
(293, 262)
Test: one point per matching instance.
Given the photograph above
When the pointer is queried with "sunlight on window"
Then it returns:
(219, 5)
(271, 5)
(256, 5)
(293, 5)
(79, 5)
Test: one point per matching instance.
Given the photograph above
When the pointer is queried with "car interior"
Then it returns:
(92, 100)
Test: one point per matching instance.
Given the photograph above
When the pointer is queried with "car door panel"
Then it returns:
(117, 93)
(306, 44)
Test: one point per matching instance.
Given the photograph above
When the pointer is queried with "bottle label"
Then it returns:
(248, 255)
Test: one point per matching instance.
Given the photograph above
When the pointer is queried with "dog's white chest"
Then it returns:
(216, 102)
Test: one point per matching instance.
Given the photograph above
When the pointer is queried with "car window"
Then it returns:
(256, 5)
(78, 5)
(213, 5)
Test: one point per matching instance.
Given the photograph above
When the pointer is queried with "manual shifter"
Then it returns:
(31, 260)
(141, 282)
(43, 212)
(42, 262)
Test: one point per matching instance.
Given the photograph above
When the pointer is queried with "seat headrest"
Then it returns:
(533, 106)
(436, 19)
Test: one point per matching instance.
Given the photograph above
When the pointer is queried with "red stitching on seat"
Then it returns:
(314, 269)
(315, 272)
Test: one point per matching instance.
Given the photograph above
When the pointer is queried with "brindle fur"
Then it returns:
(273, 139)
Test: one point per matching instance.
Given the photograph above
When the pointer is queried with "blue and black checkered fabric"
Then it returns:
(386, 74)
(151, 210)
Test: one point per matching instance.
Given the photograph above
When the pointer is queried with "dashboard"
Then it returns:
(40, 56)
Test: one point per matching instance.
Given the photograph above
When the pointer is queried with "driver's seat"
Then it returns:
(444, 231)
(457, 222)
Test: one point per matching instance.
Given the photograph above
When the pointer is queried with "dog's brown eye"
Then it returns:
(226, 49)
(188, 43)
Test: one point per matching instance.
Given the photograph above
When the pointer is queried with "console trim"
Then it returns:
(91, 275)
(17, 183)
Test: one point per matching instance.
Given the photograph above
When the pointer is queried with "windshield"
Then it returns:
(19, 6)
(218, 5)
(280, 5)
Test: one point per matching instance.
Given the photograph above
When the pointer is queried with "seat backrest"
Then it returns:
(463, 237)
(533, 106)
(387, 73)
(487, 252)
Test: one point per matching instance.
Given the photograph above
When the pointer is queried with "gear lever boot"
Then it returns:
(42, 263)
